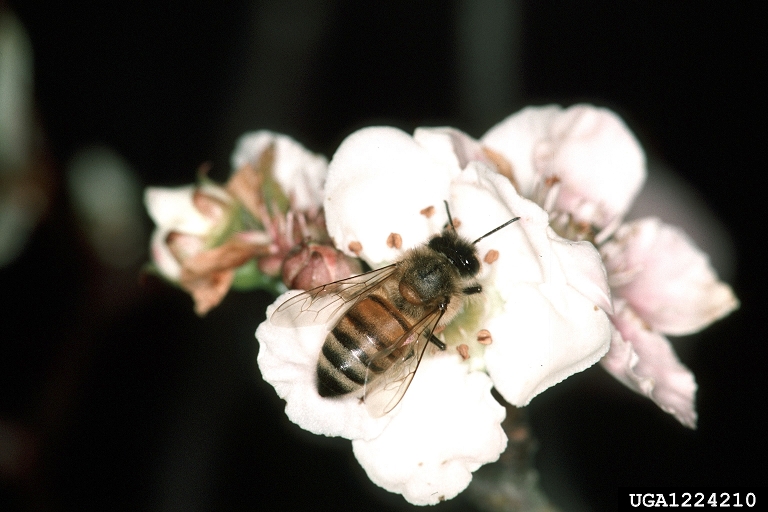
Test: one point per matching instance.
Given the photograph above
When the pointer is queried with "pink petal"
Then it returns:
(598, 161)
(665, 278)
(515, 137)
(645, 362)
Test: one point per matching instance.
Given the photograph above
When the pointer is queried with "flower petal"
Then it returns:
(175, 209)
(545, 334)
(288, 361)
(645, 362)
(583, 270)
(162, 256)
(551, 324)
(515, 138)
(380, 182)
(448, 426)
(451, 146)
(208, 275)
(532, 252)
(300, 172)
(665, 278)
(598, 161)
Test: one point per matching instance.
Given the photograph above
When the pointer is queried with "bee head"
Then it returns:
(459, 252)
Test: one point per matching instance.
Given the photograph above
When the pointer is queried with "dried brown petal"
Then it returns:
(212, 207)
(208, 275)
(247, 183)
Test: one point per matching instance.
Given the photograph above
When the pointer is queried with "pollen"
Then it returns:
(491, 256)
(356, 247)
(463, 351)
(484, 337)
(428, 212)
(394, 240)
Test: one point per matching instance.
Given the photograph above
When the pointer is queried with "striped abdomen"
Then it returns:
(370, 326)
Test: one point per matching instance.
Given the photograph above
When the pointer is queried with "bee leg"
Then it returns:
(471, 290)
(439, 344)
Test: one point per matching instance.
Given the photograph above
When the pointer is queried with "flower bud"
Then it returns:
(309, 265)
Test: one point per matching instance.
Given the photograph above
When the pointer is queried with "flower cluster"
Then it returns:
(571, 284)
(585, 167)
(211, 237)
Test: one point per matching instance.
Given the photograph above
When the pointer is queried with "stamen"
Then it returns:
(491, 256)
(463, 350)
(394, 240)
(551, 191)
(484, 337)
(356, 247)
(428, 212)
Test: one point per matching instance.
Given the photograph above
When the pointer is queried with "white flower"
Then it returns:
(585, 166)
(299, 172)
(211, 237)
(543, 309)
(191, 244)
(195, 211)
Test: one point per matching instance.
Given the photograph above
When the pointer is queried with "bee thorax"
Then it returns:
(410, 294)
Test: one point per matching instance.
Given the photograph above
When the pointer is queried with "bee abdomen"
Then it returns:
(366, 329)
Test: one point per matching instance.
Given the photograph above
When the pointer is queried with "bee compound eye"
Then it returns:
(409, 294)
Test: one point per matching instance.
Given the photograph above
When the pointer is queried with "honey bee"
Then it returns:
(382, 321)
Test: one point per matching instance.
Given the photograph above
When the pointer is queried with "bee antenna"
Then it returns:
(450, 219)
(496, 229)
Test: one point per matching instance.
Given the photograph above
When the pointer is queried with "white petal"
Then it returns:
(645, 362)
(665, 278)
(545, 334)
(584, 270)
(173, 209)
(166, 262)
(598, 161)
(300, 172)
(515, 138)
(553, 321)
(451, 146)
(529, 250)
(448, 426)
(288, 361)
(379, 181)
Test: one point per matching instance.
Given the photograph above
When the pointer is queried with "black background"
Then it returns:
(143, 406)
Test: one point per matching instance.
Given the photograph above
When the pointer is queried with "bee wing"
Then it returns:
(384, 393)
(326, 304)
